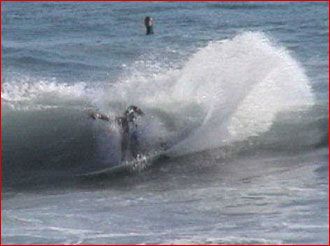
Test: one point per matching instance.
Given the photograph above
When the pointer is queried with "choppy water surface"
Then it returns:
(238, 92)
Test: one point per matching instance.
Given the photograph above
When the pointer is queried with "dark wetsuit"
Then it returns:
(124, 125)
(149, 25)
(128, 129)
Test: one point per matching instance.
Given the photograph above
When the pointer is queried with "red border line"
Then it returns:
(296, 1)
(238, 1)
(328, 129)
(1, 126)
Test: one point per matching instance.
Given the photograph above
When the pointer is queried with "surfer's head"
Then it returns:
(132, 112)
(147, 21)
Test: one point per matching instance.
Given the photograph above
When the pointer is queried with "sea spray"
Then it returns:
(227, 91)
(243, 83)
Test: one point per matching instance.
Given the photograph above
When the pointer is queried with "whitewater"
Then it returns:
(243, 113)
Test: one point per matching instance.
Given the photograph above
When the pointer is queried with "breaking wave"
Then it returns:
(247, 87)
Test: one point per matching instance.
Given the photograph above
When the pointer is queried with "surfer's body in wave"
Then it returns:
(128, 126)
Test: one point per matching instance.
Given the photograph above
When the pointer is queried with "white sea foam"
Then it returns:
(30, 94)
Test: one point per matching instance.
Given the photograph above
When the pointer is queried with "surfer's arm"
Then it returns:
(100, 116)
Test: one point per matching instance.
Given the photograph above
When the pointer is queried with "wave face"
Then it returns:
(245, 91)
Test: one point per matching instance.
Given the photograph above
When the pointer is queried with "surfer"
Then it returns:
(148, 23)
(128, 126)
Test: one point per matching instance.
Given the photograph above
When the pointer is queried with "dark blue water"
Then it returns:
(238, 92)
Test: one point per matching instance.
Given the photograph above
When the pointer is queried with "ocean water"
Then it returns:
(237, 92)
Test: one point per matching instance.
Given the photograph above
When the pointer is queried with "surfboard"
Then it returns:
(128, 167)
